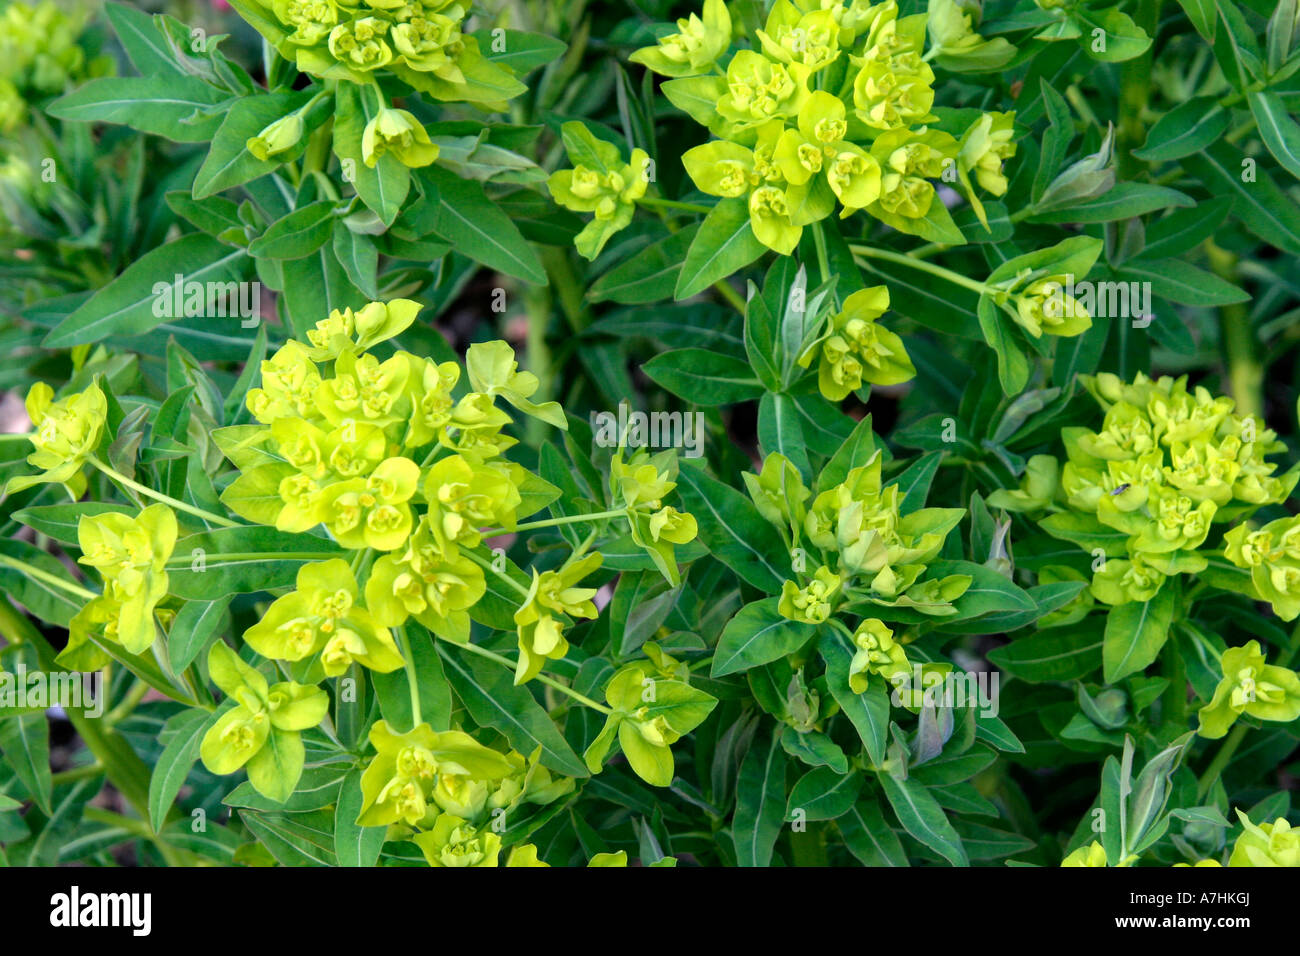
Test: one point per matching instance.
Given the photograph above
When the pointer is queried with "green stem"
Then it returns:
(1220, 760)
(486, 565)
(128, 704)
(123, 480)
(809, 848)
(77, 773)
(1245, 371)
(553, 522)
(731, 295)
(1176, 673)
(823, 258)
(1135, 92)
(582, 548)
(948, 275)
(1080, 104)
(181, 562)
(537, 355)
(45, 577)
(548, 681)
(570, 291)
(656, 202)
(412, 679)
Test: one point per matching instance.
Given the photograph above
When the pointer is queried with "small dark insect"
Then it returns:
(1121, 489)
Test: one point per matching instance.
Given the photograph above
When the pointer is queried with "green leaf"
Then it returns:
(733, 530)
(141, 40)
(869, 836)
(295, 839)
(1013, 365)
(215, 215)
(489, 694)
(317, 788)
(1057, 654)
(761, 345)
(1135, 633)
(923, 818)
(989, 591)
(855, 451)
(382, 187)
(1204, 17)
(703, 377)
(1085, 531)
(242, 560)
(1187, 128)
(1279, 131)
(181, 736)
(355, 845)
(229, 162)
(195, 627)
(298, 234)
(519, 51)
(760, 803)
(1263, 208)
(914, 482)
(1124, 39)
(359, 258)
(1184, 230)
(25, 747)
(990, 843)
(868, 711)
(642, 602)
(1236, 48)
(758, 634)
(394, 691)
(933, 302)
(648, 276)
(823, 794)
(1123, 201)
(131, 304)
(180, 108)
(63, 818)
(59, 522)
(780, 429)
(315, 286)
(725, 244)
(476, 227)
(1182, 282)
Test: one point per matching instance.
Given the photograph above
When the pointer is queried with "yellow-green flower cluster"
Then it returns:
(419, 41)
(382, 455)
(65, 434)
(1168, 464)
(1272, 556)
(262, 733)
(1266, 844)
(858, 543)
(857, 350)
(40, 56)
(1263, 844)
(1252, 687)
(829, 104)
(876, 653)
(131, 557)
(399, 463)
(600, 183)
(649, 713)
(449, 794)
